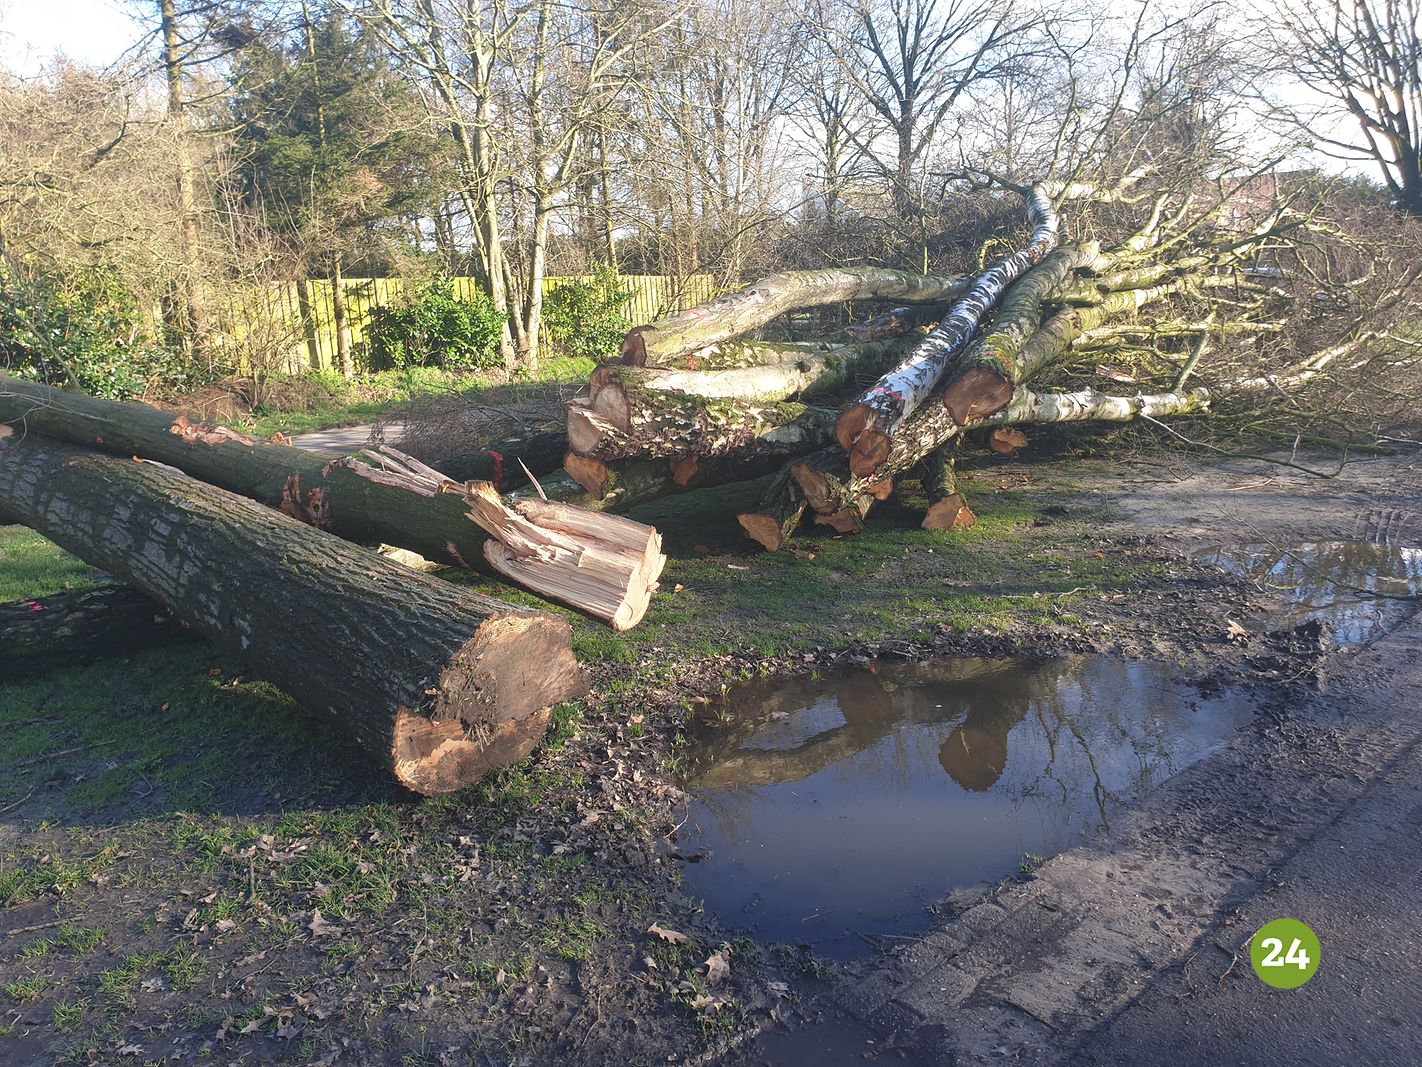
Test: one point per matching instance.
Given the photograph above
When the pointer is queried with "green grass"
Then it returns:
(32, 566)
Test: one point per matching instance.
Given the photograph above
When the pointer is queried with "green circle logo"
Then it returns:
(1285, 953)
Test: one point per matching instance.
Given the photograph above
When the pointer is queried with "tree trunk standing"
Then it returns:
(533, 296)
(41, 633)
(604, 175)
(438, 684)
(344, 360)
(193, 328)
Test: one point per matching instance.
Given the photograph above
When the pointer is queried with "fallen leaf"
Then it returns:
(678, 587)
(1235, 632)
(718, 967)
(130, 1050)
(253, 1026)
(320, 927)
(152, 985)
(675, 937)
(222, 926)
(780, 989)
(710, 1002)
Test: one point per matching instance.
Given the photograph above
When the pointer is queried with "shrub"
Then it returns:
(434, 329)
(584, 318)
(82, 328)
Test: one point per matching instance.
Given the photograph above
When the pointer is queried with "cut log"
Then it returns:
(983, 378)
(866, 428)
(601, 564)
(41, 633)
(438, 684)
(611, 577)
(777, 515)
(351, 499)
(652, 424)
(669, 341)
(827, 367)
(624, 484)
(838, 499)
(1021, 345)
(379, 499)
(947, 510)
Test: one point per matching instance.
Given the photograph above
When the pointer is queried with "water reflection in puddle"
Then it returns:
(829, 808)
(1359, 589)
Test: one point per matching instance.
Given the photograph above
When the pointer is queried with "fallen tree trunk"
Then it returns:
(653, 424)
(347, 497)
(896, 322)
(41, 633)
(613, 387)
(866, 428)
(670, 341)
(381, 502)
(437, 683)
(623, 484)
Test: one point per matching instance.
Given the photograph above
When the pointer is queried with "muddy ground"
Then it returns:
(192, 869)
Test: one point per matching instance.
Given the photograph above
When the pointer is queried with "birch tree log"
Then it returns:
(866, 428)
(818, 368)
(436, 683)
(670, 341)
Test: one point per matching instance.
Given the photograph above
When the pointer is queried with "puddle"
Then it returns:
(834, 811)
(1360, 590)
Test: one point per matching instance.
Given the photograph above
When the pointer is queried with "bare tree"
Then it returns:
(1364, 59)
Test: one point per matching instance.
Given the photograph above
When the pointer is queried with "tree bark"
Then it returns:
(670, 341)
(376, 502)
(653, 424)
(350, 498)
(812, 372)
(41, 633)
(436, 683)
(866, 428)
(947, 510)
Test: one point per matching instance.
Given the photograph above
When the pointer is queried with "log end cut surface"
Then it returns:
(976, 394)
(490, 706)
(440, 756)
(765, 530)
(950, 513)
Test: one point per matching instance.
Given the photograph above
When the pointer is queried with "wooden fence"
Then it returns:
(274, 323)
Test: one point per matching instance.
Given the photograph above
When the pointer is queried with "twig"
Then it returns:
(1247, 455)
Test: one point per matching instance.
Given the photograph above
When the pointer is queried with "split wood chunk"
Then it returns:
(603, 565)
(438, 684)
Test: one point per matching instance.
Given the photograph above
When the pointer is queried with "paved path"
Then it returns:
(346, 439)
(1122, 951)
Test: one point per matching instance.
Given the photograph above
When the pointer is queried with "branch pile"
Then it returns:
(1171, 308)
